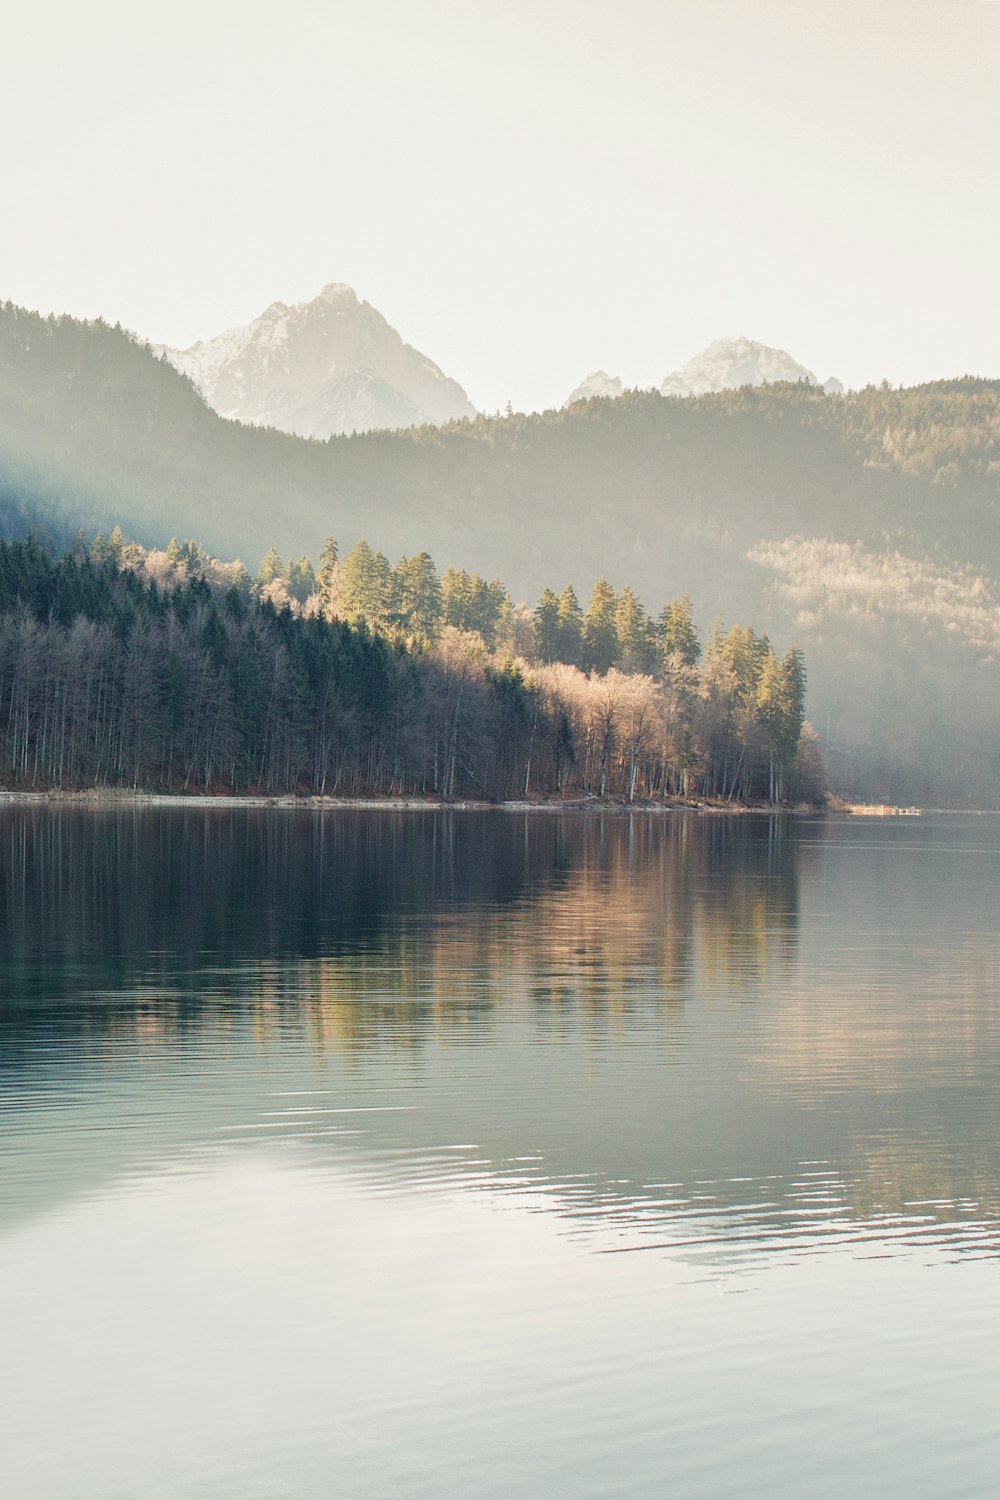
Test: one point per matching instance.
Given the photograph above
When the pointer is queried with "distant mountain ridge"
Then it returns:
(597, 383)
(321, 368)
(725, 365)
(728, 364)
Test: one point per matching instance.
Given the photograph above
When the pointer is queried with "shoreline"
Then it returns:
(104, 798)
(113, 797)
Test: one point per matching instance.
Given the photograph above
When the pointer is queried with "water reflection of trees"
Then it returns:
(378, 926)
(131, 937)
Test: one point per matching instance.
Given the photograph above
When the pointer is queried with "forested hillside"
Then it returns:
(95, 429)
(198, 681)
(668, 495)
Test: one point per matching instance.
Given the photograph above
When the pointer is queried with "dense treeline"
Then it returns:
(201, 680)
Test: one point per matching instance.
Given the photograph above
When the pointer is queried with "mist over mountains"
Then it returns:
(863, 527)
(730, 363)
(334, 366)
(331, 365)
(725, 365)
(597, 383)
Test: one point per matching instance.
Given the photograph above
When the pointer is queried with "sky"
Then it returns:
(527, 190)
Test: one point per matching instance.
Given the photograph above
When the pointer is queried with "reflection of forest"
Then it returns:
(418, 916)
(623, 1001)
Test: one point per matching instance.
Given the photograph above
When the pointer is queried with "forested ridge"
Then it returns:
(129, 668)
(95, 429)
(746, 500)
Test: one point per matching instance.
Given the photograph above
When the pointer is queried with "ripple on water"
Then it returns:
(550, 1157)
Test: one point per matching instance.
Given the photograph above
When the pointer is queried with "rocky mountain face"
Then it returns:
(725, 365)
(332, 365)
(598, 383)
(728, 364)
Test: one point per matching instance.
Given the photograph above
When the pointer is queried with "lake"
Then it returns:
(454, 1155)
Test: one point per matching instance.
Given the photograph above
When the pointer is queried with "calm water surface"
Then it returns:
(458, 1155)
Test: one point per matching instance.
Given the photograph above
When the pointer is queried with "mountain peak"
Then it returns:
(597, 383)
(304, 371)
(337, 291)
(727, 364)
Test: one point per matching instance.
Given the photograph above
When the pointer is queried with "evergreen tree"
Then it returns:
(636, 639)
(416, 595)
(678, 634)
(193, 557)
(600, 634)
(470, 603)
(547, 635)
(327, 572)
(301, 580)
(780, 710)
(457, 598)
(365, 587)
(271, 569)
(744, 652)
(570, 648)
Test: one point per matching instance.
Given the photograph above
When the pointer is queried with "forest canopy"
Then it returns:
(170, 670)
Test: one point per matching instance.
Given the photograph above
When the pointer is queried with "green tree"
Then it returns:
(192, 557)
(270, 569)
(301, 580)
(327, 571)
(570, 628)
(546, 628)
(457, 598)
(678, 633)
(745, 652)
(365, 587)
(416, 595)
(636, 639)
(600, 635)
(781, 712)
(470, 603)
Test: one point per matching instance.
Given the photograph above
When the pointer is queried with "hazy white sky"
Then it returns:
(527, 189)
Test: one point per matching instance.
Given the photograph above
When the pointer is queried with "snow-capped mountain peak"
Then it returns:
(726, 364)
(331, 365)
(730, 363)
(597, 383)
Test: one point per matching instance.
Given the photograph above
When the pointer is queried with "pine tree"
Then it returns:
(636, 639)
(678, 634)
(416, 595)
(301, 580)
(327, 571)
(546, 628)
(270, 569)
(570, 628)
(600, 635)
(365, 587)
